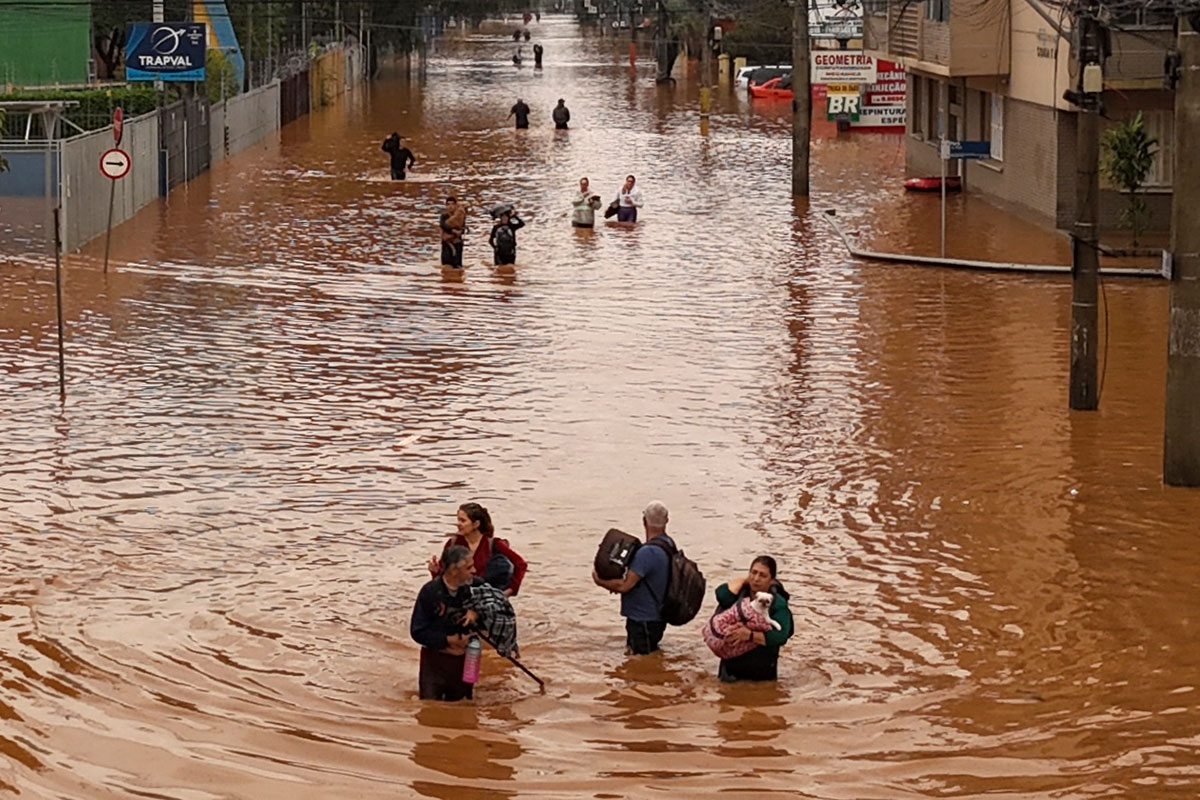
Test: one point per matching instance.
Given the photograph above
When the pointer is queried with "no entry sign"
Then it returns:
(114, 163)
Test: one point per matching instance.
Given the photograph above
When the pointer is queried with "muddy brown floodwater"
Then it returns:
(211, 551)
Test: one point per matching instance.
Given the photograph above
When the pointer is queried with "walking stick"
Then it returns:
(541, 683)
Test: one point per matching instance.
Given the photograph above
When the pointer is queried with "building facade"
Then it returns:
(996, 70)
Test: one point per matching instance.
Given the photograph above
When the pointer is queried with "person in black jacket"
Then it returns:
(761, 663)
(561, 115)
(521, 111)
(402, 157)
(504, 238)
(441, 627)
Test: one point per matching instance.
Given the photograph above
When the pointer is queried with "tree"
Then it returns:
(220, 78)
(1128, 154)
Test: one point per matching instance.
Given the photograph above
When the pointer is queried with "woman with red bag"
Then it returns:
(495, 561)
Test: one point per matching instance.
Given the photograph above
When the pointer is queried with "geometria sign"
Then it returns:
(169, 51)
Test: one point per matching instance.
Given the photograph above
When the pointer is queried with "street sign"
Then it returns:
(114, 164)
(968, 150)
(169, 51)
(118, 125)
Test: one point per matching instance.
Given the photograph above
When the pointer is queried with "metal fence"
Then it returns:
(293, 97)
(183, 133)
(85, 191)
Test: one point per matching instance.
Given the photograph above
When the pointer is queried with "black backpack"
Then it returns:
(685, 586)
(506, 241)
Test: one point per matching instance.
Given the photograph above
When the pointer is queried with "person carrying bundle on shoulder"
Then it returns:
(504, 235)
(660, 586)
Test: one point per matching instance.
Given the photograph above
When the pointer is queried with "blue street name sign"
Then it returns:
(168, 51)
(970, 149)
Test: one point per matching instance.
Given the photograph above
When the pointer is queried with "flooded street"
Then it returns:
(276, 405)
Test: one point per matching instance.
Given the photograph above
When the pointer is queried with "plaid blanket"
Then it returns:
(497, 620)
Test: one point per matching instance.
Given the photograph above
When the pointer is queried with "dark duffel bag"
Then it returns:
(615, 554)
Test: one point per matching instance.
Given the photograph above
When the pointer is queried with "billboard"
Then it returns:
(835, 19)
(168, 51)
(842, 66)
(880, 103)
(883, 104)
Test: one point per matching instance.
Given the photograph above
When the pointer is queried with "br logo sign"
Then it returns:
(842, 107)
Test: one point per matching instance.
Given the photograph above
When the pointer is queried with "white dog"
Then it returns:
(752, 613)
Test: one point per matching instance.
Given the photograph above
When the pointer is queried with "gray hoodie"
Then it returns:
(585, 206)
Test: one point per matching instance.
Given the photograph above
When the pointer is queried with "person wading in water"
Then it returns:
(490, 552)
(761, 663)
(453, 224)
(440, 625)
(521, 112)
(561, 115)
(402, 157)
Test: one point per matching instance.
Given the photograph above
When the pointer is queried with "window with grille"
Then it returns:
(937, 10)
(1160, 125)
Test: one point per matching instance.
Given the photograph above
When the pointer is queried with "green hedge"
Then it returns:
(96, 105)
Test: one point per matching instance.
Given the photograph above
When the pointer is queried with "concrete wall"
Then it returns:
(86, 191)
(251, 117)
(333, 72)
(1029, 174)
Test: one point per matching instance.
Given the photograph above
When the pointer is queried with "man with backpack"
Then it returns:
(661, 585)
(504, 237)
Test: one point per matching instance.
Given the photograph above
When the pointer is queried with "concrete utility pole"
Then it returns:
(1181, 440)
(250, 52)
(801, 99)
(1085, 254)
(156, 15)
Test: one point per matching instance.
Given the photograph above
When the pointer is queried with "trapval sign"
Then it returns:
(168, 51)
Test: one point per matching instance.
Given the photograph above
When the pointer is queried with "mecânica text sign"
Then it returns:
(842, 66)
(168, 51)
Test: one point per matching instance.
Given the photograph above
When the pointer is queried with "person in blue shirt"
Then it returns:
(645, 584)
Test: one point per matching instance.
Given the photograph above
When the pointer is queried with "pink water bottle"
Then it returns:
(471, 662)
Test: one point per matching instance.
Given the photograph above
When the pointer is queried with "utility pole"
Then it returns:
(157, 16)
(801, 98)
(250, 52)
(1181, 439)
(304, 27)
(270, 39)
(1085, 254)
(706, 62)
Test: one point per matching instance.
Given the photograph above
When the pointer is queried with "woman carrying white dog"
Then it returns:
(760, 664)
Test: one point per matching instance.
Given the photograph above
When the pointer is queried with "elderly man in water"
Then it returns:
(441, 626)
